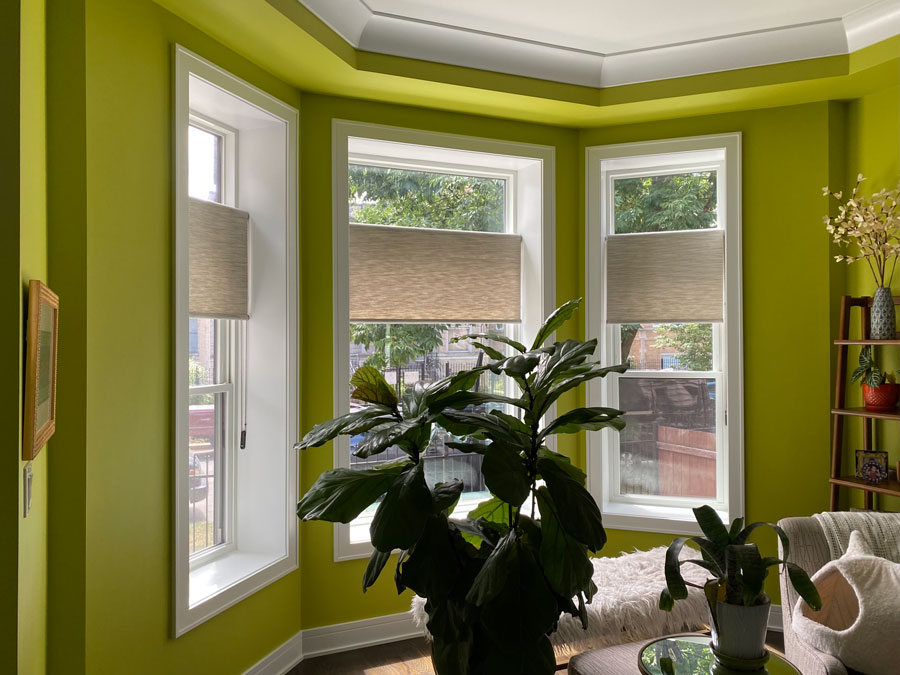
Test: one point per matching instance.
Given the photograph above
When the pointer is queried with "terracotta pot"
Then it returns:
(881, 399)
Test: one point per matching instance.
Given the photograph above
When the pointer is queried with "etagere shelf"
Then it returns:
(840, 411)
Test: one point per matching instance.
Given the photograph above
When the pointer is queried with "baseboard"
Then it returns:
(775, 618)
(337, 638)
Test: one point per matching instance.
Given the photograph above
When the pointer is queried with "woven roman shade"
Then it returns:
(665, 277)
(418, 275)
(217, 260)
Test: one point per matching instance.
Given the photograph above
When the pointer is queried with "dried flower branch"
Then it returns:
(870, 228)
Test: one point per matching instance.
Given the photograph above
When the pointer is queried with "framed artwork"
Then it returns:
(40, 369)
(872, 465)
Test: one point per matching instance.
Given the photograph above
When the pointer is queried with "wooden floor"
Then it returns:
(409, 657)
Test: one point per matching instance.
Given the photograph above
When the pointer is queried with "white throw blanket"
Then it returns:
(625, 608)
(880, 530)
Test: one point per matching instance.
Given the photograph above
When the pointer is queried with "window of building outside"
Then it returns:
(235, 371)
(664, 297)
(432, 189)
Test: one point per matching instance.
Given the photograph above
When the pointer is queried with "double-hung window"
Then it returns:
(235, 325)
(436, 236)
(663, 288)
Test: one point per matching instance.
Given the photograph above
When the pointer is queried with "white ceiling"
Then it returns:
(606, 42)
(610, 26)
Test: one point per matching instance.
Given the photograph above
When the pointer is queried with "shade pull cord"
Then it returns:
(245, 337)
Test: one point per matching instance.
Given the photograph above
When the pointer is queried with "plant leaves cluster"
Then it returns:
(737, 569)
(496, 582)
(868, 370)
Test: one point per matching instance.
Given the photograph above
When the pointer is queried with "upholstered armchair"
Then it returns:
(809, 549)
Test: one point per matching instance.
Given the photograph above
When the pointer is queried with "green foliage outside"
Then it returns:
(396, 344)
(692, 341)
(666, 203)
(197, 375)
(381, 196)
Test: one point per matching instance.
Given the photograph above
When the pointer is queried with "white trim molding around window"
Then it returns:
(235, 370)
(406, 189)
(663, 288)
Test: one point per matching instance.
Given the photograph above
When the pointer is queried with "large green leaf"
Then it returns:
(505, 474)
(477, 448)
(464, 423)
(675, 586)
(493, 510)
(585, 419)
(434, 565)
(563, 463)
(462, 399)
(377, 561)
(380, 440)
(556, 319)
(544, 399)
(711, 525)
(490, 351)
(519, 365)
(518, 346)
(445, 495)
(401, 516)
(753, 573)
(370, 386)
(744, 534)
(340, 495)
(565, 561)
(351, 423)
(497, 569)
(803, 585)
(564, 358)
(577, 509)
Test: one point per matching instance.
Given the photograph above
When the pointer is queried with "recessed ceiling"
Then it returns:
(605, 43)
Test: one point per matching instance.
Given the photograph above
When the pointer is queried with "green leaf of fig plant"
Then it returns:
(738, 571)
(496, 582)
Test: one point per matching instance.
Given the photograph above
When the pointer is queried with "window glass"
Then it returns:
(204, 367)
(204, 164)
(388, 196)
(665, 203)
(667, 346)
(206, 423)
(668, 446)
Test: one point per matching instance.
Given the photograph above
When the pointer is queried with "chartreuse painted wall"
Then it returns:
(32, 548)
(873, 149)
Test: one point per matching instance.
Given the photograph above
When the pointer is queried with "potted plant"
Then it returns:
(495, 582)
(870, 227)
(738, 607)
(880, 390)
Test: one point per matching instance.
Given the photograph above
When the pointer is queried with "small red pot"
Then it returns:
(881, 399)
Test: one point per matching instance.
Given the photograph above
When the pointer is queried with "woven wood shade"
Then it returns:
(665, 277)
(418, 275)
(217, 260)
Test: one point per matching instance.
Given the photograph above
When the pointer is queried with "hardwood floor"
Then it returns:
(409, 657)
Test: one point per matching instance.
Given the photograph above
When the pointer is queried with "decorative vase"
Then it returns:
(739, 637)
(882, 398)
(883, 321)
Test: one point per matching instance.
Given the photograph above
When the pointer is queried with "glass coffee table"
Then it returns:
(692, 655)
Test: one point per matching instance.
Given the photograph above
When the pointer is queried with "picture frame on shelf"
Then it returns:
(872, 465)
(40, 368)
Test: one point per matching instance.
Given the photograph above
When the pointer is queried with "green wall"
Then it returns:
(32, 592)
(873, 149)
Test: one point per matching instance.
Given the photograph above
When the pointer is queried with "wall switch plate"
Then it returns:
(27, 476)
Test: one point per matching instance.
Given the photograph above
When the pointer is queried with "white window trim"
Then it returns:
(245, 572)
(666, 515)
(502, 159)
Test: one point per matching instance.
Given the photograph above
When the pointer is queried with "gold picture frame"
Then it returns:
(40, 368)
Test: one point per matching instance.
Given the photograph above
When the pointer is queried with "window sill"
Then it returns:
(210, 578)
(653, 518)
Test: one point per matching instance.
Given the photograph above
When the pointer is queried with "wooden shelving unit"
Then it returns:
(840, 411)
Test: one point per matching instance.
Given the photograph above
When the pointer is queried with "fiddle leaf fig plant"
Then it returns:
(738, 570)
(495, 582)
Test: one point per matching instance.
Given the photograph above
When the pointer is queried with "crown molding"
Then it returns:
(382, 33)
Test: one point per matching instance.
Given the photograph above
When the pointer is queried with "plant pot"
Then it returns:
(883, 325)
(739, 633)
(882, 398)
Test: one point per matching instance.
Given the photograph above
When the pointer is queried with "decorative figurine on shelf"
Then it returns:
(872, 466)
(880, 390)
(870, 227)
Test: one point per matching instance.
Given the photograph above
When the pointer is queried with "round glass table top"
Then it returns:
(692, 655)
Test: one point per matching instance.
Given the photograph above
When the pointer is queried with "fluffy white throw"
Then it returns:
(625, 607)
(881, 531)
(859, 622)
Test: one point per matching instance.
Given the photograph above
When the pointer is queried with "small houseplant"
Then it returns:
(496, 582)
(738, 607)
(880, 390)
(869, 226)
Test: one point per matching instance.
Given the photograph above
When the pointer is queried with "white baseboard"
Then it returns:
(775, 618)
(338, 638)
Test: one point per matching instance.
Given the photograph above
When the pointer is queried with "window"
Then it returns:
(663, 289)
(421, 222)
(235, 486)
